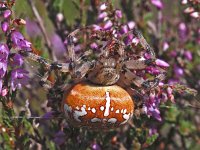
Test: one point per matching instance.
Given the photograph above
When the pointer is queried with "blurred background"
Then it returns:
(173, 32)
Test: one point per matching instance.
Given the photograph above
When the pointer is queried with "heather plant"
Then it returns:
(31, 117)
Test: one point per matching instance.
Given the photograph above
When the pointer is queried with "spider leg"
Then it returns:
(138, 64)
(70, 45)
(142, 41)
(138, 97)
(141, 83)
(76, 70)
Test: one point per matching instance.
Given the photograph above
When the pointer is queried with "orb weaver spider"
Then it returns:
(97, 97)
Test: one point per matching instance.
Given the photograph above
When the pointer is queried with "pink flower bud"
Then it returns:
(131, 24)
(108, 24)
(161, 63)
(157, 3)
(188, 55)
(118, 14)
(6, 13)
(4, 26)
(4, 92)
(195, 15)
(103, 7)
(59, 17)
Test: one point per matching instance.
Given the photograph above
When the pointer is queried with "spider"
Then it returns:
(97, 98)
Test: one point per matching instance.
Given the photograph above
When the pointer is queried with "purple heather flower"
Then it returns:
(118, 14)
(93, 45)
(195, 14)
(154, 112)
(108, 25)
(124, 29)
(152, 131)
(4, 51)
(7, 13)
(2, 5)
(96, 27)
(128, 39)
(102, 15)
(95, 146)
(3, 69)
(157, 3)
(152, 70)
(4, 92)
(103, 6)
(178, 71)
(165, 46)
(48, 115)
(182, 31)
(188, 55)
(17, 60)
(131, 24)
(161, 63)
(59, 138)
(1, 85)
(19, 41)
(184, 2)
(4, 26)
(19, 77)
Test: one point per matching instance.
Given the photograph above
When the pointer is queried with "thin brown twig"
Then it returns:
(41, 25)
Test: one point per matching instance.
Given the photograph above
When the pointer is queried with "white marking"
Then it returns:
(106, 112)
(95, 120)
(117, 111)
(78, 114)
(122, 110)
(77, 107)
(112, 109)
(125, 110)
(126, 117)
(112, 120)
(101, 108)
(93, 110)
(89, 108)
(84, 106)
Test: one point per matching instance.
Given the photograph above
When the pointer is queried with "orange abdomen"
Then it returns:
(98, 106)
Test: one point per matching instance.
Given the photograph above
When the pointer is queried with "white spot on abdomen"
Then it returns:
(78, 114)
(112, 120)
(117, 111)
(106, 112)
(126, 117)
(93, 110)
(112, 109)
(95, 120)
(101, 108)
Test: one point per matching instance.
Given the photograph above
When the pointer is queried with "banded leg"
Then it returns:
(138, 64)
(138, 97)
(140, 82)
(70, 45)
(142, 41)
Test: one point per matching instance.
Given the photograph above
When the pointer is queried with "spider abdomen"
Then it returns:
(98, 106)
